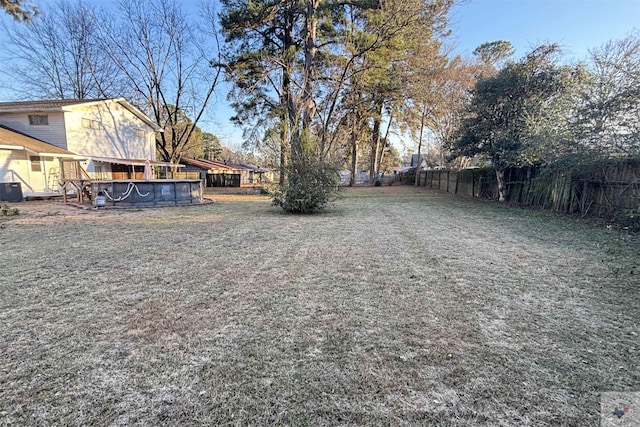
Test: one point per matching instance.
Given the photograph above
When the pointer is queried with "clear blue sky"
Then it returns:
(577, 25)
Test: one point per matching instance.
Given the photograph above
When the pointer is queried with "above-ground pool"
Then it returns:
(158, 192)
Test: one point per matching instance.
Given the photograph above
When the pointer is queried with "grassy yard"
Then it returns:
(398, 306)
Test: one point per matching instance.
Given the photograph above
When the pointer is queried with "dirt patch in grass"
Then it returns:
(398, 306)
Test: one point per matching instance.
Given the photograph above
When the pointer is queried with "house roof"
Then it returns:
(211, 164)
(68, 104)
(257, 169)
(403, 169)
(43, 104)
(11, 139)
(221, 164)
(226, 164)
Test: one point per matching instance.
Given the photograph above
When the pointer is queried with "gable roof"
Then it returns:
(41, 105)
(13, 140)
(68, 104)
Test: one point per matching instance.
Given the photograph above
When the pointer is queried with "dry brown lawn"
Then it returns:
(396, 307)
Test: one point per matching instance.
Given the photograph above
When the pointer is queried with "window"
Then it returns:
(36, 166)
(91, 124)
(99, 172)
(38, 120)
(140, 133)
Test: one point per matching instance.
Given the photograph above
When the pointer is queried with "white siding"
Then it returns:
(16, 167)
(114, 137)
(5, 166)
(97, 170)
(151, 142)
(53, 133)
(46, 179)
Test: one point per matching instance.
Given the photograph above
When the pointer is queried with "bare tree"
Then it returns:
(167, 64)
(365, 88)
(438, 90)
(57, 56)
(609, 117)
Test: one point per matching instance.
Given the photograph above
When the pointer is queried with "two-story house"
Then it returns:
(110, 138)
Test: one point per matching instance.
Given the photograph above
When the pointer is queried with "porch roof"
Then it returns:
(11, 139)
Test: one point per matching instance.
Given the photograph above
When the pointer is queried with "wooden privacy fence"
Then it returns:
(607, 188)
(468, 182)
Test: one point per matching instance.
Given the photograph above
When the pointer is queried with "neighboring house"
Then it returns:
(218, 173)
(215, 173)
(33, 163)
(114, 137)
(401, 170)
(258, 175)
(422, 161)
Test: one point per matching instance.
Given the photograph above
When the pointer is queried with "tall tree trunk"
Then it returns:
(310, 50)
(375, 145)
(284, 148)
(422, 117)
(384, 142)
(301, 142)
(288, 118)
(355, 123)
(502, 191)
(354, 153)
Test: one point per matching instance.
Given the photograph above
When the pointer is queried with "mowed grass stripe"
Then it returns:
(398, 306)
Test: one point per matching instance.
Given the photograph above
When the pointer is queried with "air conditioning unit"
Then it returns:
(10, 192)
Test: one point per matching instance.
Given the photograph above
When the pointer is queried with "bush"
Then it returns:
(628, 220)
(310, 185)
(8, 211)
(409, 177)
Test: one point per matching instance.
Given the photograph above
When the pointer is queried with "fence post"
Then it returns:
(473, 184)
(457, 176)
